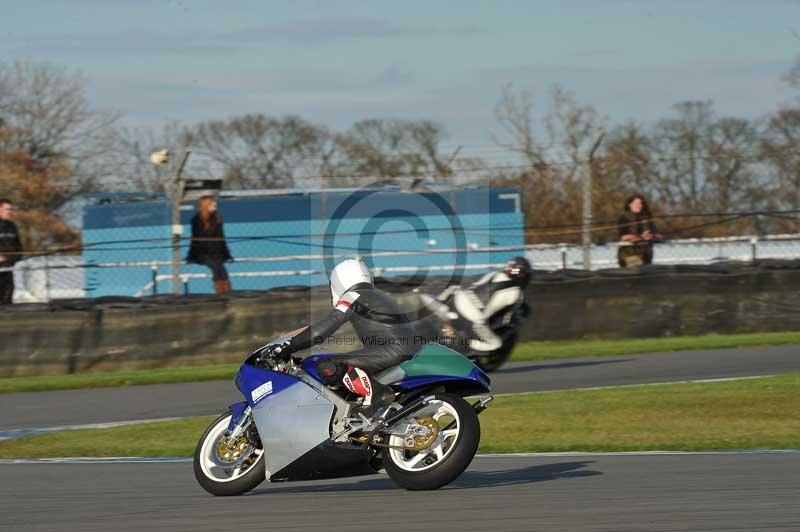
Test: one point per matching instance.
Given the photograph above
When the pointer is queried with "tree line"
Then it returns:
(54, 147)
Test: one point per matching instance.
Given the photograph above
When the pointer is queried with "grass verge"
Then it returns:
(632, 346)
(527, 351)
(119, 378)
(742, 414)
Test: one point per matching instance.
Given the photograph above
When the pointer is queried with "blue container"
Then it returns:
(130, 237)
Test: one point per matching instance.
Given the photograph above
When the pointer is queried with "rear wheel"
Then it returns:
(451, 452)
(224, 467)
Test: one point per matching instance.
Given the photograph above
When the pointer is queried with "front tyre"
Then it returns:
(227, 468)
(447, 457)
(492, 361)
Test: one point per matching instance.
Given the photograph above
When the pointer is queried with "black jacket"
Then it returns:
(210, 247)
(634, 224)
(10, 245)
(380, 323)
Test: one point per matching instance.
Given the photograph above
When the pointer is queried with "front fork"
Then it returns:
(240, 420)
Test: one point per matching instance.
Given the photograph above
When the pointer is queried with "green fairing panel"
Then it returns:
(435, 359)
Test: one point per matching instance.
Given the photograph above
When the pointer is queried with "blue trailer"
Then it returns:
(281, 238)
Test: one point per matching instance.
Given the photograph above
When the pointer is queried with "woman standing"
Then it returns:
(208, 245)
(637, 230)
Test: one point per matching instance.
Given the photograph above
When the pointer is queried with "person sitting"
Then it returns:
(208, 246)
(636, 233)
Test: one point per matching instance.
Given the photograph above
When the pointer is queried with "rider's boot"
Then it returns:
(376, 395)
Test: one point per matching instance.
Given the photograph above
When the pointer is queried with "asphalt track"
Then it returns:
(705, 492)
(104, 405)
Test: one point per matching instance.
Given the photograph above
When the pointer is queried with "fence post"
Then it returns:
(586, 225)
(564, 258)
(177, 227)
(154, 277)
(46, 278)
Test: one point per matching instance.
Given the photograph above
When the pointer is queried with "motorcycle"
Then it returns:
(291, 426)
(442, 323)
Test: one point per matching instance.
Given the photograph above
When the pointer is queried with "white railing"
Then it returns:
(45, 278)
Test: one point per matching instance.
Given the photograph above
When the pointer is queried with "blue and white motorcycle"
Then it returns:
(292, 426)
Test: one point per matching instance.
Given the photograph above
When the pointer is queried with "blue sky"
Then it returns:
(336, 62)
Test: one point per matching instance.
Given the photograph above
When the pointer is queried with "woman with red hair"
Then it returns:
(208, 245)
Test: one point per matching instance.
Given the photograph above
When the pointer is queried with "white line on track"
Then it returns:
(98, 460)
(639, 453)
(663, 383)
(18, 433)
(179, 460)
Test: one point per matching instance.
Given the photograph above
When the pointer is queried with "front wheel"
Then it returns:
(459, 433)
(492, 361)
(225, 467)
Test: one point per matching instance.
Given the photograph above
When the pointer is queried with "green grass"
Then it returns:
(159, 438)
(524, 351)
(743, 414)
(596, 348)
(119, 378)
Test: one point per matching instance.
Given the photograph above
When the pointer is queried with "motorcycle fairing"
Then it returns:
(329, 460)
(257, 384)
(436, 363)
(291, 417)
(432, 364)
(309, 364)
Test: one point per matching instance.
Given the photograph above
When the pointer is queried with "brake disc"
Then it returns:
(229, 453)
(421, 442)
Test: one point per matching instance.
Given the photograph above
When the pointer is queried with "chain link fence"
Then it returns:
(279, 238)
(285, 238)
(43, 279)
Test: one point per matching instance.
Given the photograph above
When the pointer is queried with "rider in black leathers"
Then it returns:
(381, 325)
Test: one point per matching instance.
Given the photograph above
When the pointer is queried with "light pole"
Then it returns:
(159, 158)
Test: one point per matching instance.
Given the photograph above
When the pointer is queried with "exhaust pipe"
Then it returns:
(481, 405)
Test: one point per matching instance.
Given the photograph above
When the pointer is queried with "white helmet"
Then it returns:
(346, 275)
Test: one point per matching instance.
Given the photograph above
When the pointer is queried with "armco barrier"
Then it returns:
(71, 336)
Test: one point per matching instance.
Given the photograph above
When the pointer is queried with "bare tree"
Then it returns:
(135, 171)
(515, 115)
(394, 148)
(692, 162)
(565, 136)
(34, 186)
(780, 151)
(258, 151)
(46, 115)
(555, 151)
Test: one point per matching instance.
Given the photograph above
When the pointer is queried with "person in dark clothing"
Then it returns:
(637, 233)
(10, 251)
(383, 327)
(208, 245)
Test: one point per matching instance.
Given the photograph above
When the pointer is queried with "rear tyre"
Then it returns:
(447, 457)
(222, 470)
